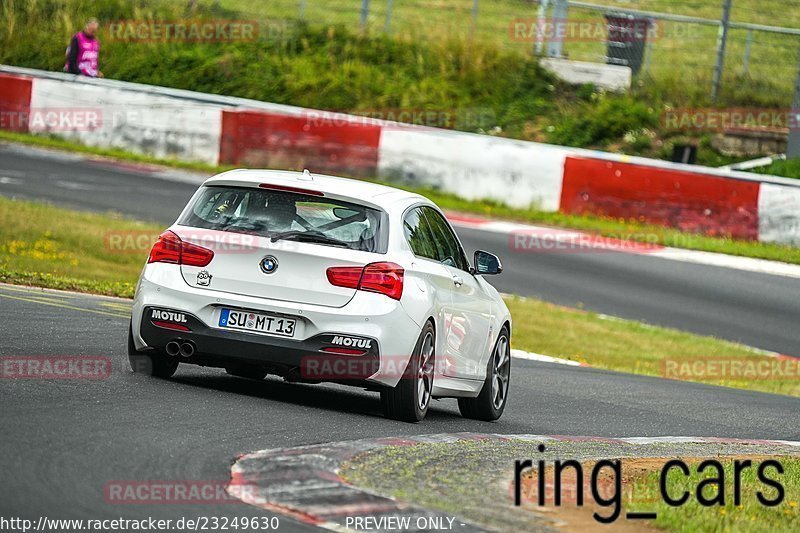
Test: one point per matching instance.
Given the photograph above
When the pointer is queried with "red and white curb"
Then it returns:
(649, 440)
(528, 238)
(304, 482)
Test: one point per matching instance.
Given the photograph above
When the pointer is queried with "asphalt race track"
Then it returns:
(64, 440)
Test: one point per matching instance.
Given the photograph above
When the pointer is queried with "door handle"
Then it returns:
(458, 281)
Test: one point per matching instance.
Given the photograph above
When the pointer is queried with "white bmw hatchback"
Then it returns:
(325, 279)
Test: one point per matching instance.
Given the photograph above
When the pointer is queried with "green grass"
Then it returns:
(628, 346)
(473, 479)
(46, 246)
(789, 168)
(433, 59)
(769, 79)
(750, 516)
(58, 143)
(312, 66)
(609, 227)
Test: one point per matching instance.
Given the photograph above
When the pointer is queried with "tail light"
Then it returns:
(286, 188)
(170, 325)
(348, 277)
(383, 278)
(169, 248)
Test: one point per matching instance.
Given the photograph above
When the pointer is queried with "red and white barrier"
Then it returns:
(277, 140)
(215, 129)
(697, 203)
(152, 124)
(473, 166)
(15, 101)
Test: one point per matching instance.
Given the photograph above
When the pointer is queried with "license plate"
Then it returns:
(257, 322)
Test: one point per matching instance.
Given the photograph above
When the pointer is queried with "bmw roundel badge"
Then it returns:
(269, 264)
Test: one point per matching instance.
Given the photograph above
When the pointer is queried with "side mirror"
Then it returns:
(486, 263)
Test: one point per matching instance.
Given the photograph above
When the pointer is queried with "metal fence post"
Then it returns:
(722, 42)
(748, 44)
(302, 9)
(793, 144)
(541, 23)
(388, 25)
(555, 47)
(475, 4)
(648, 55)
(364, 13)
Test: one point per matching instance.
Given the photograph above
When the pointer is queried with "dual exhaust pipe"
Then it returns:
(180, 347)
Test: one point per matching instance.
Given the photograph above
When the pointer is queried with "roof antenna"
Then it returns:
(306, 176)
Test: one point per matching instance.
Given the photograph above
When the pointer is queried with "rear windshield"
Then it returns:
(289, 215)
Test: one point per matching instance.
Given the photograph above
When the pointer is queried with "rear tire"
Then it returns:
(153, 364)
(491, 402)
(248, 372)
(410, 399)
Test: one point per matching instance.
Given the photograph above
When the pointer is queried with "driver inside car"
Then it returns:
(280, 214)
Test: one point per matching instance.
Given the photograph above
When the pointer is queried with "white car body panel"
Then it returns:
(467, 318)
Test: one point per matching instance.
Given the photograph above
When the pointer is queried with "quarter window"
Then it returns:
(418, 234)
(449, 251)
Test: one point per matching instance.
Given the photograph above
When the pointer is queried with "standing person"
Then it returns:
(84, 50)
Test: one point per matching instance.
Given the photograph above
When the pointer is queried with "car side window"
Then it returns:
(418, 234)
(449, 251)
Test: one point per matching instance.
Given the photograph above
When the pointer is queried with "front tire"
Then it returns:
(153, 364)
(491, 402)
(409, 400)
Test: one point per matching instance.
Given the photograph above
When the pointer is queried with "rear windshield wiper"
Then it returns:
(307, 236)
(241, 224)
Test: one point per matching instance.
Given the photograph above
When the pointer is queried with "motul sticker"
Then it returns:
(168, 316)
(354, 342)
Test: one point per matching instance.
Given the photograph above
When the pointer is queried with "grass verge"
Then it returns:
(635, 347)
(51, 247)
(749, 516)
(474, 480)
(57, 143)
(633, 230)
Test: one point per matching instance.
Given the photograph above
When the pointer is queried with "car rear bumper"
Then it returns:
(297, 359)
(367, 316)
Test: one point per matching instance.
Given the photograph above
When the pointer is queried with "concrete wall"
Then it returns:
(160, 126)
(217, 129)
(324, 143)
(474, 166)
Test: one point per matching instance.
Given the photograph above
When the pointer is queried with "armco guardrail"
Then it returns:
(215, 129)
